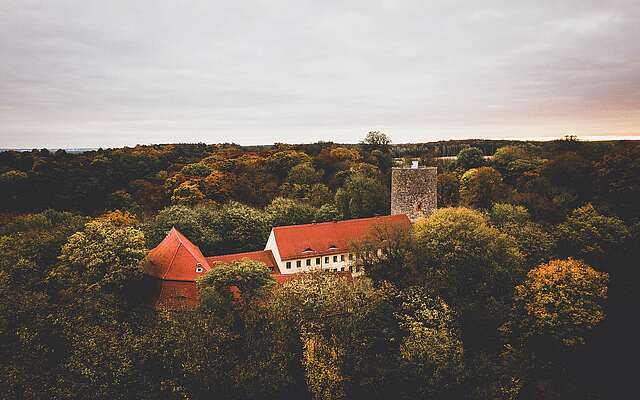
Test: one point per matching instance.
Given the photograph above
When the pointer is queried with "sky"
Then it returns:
(114, 73)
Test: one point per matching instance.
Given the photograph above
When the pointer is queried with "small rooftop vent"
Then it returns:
(414, 164)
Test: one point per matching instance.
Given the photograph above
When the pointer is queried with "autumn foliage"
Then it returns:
(522, 285)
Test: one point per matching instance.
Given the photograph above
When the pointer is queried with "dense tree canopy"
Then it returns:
(236, 284)
(471, 157)
(481, 187)
(475, 264)
(362, 196)
(527, 293)
(592, 236)
(561, 300)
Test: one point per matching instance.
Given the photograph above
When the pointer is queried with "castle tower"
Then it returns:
(414, 191)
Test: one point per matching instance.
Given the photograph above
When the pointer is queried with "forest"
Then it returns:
(521, 285)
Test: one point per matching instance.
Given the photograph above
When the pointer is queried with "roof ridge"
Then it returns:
(338, 222)
(173, 258)
(188, 248)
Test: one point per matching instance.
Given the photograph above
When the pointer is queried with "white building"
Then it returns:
(324, 246)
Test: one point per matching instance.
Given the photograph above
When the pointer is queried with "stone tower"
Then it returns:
(414, 191)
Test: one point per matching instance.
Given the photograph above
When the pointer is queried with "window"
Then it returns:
(341, 257)
(307, 250)
(357, 268)
(332, 247)
(308, 262)
(350, 257)
(326, 260)
(318, 261)
(288, 264)
(199, 268)
(335, 258)
(298, 263)
(335, 270)
(342, 269)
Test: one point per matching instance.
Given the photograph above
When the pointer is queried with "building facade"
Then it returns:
(326, 246)
(175, 264)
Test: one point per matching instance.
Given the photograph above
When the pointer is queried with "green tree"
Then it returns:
(513, 161)
(99, 281)
(561, 301)
(357, 341)
(618, 179)
(589, 235)
(194, 223)
(196, 170)
(240, 228)
(234, 285)
(362, 197)
(473, 264)
(188, 193)
(387, 255)
(32, 345)
(377, 140)
(327, 212)
(555, 311)
(304, 183)
(448, 189)
(534, 242)
(289, 212)
(304, 174)
(431, 353)
(281, 162)
(481, 187)
(330, 324)
(470, 157)
(503, 214)
(104, 256)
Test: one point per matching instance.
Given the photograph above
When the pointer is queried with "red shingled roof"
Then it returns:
(173, 295)
(310, 240)
(264, 256)
(175, 259)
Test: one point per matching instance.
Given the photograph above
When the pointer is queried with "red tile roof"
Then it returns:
(176, 295)
(175, 259)
(310, 240)
(264, 256)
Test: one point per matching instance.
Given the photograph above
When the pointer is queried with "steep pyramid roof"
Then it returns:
(312, 240)
(176, 259)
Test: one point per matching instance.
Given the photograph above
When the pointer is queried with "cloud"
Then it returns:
(90, 73)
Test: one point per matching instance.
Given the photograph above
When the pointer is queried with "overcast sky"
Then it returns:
(113, 73)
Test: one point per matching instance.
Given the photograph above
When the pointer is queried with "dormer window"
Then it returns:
(332, 247)
(307, 250)
(199, 268)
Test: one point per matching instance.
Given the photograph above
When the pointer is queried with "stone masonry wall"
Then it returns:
(414, 191)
